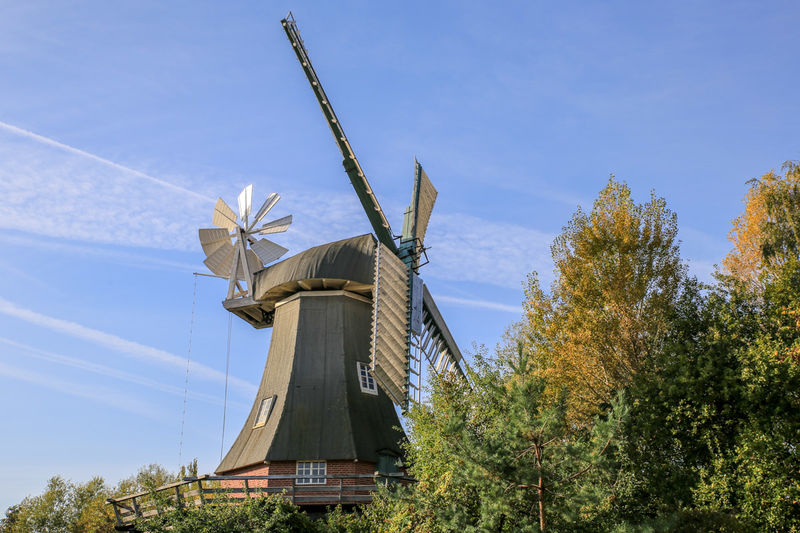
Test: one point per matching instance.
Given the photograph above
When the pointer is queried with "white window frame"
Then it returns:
(366, 380)
(313, 472)
(266, 405)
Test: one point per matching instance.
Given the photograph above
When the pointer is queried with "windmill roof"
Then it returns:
(341, 265)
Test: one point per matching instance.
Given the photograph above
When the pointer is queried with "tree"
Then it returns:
(618, 276)
(63, 507)
(67, 507)
(494, 456)
(148, 478)
(685, 407)
(269, 514)
(189, 470)
(768, 231)
(758, 476)
(713, 426)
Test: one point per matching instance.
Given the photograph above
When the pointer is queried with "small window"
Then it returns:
(312, 472)
(366, 380)
(263, 411)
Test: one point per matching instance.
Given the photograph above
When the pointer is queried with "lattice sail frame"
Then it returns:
(390, 325)
(407, 331)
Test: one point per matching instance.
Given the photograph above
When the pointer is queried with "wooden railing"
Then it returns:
(230, 490)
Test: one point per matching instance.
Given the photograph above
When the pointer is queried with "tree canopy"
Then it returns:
(767, 233)
(618, 274)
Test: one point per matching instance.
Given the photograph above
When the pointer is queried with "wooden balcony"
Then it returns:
(229, 490)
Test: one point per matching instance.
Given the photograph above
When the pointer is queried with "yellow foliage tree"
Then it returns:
(618, 275)
(759, 233)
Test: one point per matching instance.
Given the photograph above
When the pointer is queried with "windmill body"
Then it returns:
(315, 403)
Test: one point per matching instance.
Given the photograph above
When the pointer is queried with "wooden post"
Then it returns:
(116, 512)
(246, 489)
(136, 508)
(200, 491)
(178, 497)
(293, 480)
(341, 488)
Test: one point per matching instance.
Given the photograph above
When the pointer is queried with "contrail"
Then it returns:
(106, 371)
(131, 348)
(102, 396)
(77, 151)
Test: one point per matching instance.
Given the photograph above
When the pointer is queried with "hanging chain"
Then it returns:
(186, 383)
(227, 369)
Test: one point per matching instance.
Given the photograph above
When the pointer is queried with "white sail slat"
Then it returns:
(267, 250)
(213, 238)
(221, 260)
(224, 216)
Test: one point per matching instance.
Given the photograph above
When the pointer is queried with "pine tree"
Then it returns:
(495, 456)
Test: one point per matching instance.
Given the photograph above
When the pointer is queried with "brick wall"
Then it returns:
(331, 489)
(346, 468)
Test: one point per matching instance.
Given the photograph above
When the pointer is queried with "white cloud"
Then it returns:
(72, 195)
(462, 247)
(21, 274)
(131, 348)
(484, 304)
(51, 189)
(468, 248)
(321, 217)
(102, 370)
(102, 396)
(139, 259)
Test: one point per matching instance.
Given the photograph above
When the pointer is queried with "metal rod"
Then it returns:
(208, 275)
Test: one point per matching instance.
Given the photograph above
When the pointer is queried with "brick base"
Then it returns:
(275, 468)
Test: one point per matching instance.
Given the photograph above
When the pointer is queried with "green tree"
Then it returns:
(713, 426)
(685, 407)
(67, 507)
(495, 456)
(269, 514)
(148, 478)
(781, 228)
(63, 507)
(189, 470)
(758, 476)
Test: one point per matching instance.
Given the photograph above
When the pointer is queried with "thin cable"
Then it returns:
(186, 384)
(227, 368)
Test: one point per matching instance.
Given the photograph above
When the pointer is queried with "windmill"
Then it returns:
(354, 330)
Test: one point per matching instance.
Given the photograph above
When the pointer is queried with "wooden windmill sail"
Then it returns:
(354, 331)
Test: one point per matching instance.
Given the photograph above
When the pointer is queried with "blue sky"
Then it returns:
(121, 122)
